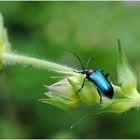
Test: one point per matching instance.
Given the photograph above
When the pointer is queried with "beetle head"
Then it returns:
(87, 72)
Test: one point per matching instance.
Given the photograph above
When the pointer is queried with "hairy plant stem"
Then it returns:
(13, 58)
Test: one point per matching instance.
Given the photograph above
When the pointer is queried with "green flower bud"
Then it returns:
(126, 76)
(62, 87)
(88, 94)
(120, 106)
(62, 95)
(4, 43)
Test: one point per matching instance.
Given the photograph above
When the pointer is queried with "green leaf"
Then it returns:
(126, 76)
(4, 43)
(61, 102)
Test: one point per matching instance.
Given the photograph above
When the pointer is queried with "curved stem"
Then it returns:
(12, 58)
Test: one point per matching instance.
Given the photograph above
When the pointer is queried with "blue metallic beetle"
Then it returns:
(98, 78)
(101, 82)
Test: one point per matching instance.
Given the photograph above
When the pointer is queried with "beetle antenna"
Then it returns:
(77, 57)
(89, 60)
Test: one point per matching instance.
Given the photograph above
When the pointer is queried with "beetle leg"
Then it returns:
(107, 74)
(100, 95)
(82, 85)
(116, 84)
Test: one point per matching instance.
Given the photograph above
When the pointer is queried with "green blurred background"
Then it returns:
(44, 29)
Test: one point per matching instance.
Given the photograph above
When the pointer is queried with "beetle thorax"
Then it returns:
(89, 72)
